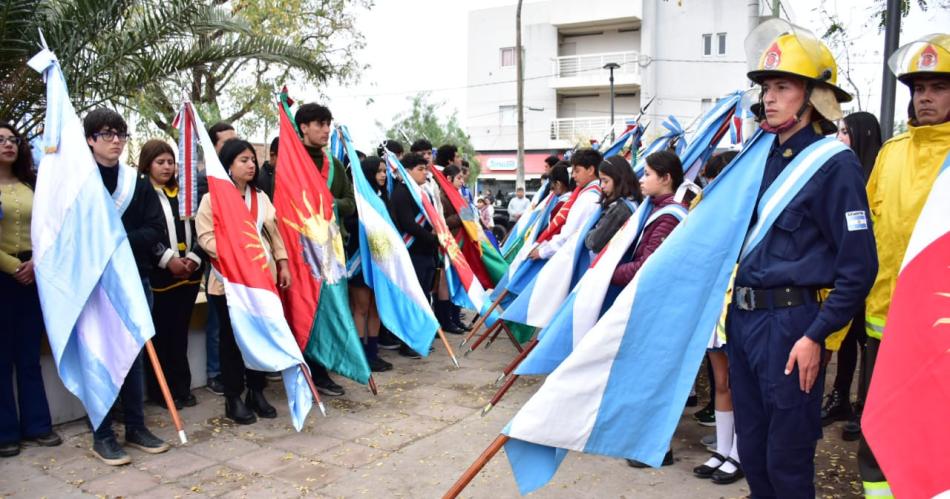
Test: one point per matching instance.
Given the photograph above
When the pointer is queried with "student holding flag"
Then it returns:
(240, 161)
(622, 196)
(905, 173)
(662, 176)
(573, 214)
(313, 121)
(28, 421)
(175, 279)
(811, 230)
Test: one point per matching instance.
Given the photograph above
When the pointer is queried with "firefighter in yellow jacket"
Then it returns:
(904, 172)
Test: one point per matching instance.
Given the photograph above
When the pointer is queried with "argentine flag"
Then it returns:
(96, 314)
(622, 390)
(386, 266)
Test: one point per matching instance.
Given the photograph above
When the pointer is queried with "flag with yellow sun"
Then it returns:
(316, 305)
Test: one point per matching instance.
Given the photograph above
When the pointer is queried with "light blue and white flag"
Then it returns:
(386, 266)
(622, 390)
(96, 314)
(713, 127)
(674, 132)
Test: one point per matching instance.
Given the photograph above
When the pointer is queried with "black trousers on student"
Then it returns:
(233, 372)
(172, 316)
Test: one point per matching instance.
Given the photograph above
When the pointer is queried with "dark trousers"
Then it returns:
(777, 424)
(20, 350)
(424, 265)
(233, 372)
(867, 464)
(848, 354)
(172, 316)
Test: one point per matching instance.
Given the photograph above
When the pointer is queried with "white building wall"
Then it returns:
(493, 85)
(611, 40)
(678, 74)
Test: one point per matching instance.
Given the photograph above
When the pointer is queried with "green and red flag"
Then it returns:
(486, 262)
(316, 304)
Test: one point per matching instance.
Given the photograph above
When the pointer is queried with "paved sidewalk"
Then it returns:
(413, 440)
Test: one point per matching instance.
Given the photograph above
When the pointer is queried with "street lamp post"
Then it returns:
(611, 66)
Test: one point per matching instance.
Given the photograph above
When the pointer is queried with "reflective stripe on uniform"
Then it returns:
(878, 490)
(874, 326)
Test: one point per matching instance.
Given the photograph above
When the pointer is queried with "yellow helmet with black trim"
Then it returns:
(777, 47)
(930, 55)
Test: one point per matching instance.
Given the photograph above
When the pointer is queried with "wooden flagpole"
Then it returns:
(313, 388)
(448, 348)
(481, 320)
(477, 466)
(483, 337)
(166, 393)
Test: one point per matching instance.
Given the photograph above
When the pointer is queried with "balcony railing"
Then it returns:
(578, 129)
(592, 65)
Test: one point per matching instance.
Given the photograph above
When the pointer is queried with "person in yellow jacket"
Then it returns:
(903, 174)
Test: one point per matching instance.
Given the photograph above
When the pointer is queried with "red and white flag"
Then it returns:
(905, 418)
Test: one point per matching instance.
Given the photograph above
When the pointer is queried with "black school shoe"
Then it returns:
(110, 452)
(50, 439)
(235, 410)
(720, 477)
(408, 352)
(189, 401)
(667, 460)
(255, 401)
(329, 388)
(9, 449)
(704, 471)
(837, 408)
(379, 365)
(388, 341)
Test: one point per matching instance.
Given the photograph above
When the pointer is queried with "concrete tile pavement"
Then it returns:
(413, 440)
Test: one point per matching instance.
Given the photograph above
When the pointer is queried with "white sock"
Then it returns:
(728, 467)
(725, 429)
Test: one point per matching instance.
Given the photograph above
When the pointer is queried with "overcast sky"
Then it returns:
(434, 58)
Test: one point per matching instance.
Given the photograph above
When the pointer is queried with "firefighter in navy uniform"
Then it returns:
(822, 239)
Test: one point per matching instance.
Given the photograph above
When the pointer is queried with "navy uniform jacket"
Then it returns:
(810, 244)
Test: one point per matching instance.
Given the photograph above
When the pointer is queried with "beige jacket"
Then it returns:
(273, 244)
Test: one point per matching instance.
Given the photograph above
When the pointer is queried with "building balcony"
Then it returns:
(571, 13)
(566, 132)
(586, 72)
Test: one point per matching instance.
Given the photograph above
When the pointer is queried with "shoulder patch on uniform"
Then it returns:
(857, 220)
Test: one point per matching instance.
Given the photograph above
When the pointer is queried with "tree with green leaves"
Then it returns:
(428, 120)
(123, 52)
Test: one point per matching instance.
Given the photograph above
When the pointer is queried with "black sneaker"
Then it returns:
(143, 440)
(851, 431)
(705, 416)
(9, 449)
(215, 385)
(837, 407)
(692, 401)
(275, 376)
(161, 403)
(378, 365)
(408, 352)
(50, 439)
(329, 388)
(388, 342)
(110, 452)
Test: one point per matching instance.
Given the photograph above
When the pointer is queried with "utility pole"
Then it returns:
(611, 66)
(892, 35)
(775, 7)
(519, 63)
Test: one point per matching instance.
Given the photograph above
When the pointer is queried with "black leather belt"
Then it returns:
(759, 299)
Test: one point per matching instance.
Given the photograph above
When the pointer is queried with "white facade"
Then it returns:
(659, 45)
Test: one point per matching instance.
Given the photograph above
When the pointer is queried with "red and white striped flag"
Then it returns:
(187, 162)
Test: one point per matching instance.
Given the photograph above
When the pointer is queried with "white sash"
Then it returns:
(677, 210)
(124, 188)
(786, 186)
(170, 223)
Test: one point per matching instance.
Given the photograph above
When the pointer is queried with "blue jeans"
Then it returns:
(20, 349)
(132, 393)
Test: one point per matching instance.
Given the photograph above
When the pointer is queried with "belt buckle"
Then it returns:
(745, 298)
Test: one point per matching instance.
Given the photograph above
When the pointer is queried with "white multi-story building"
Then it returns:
(686, 54)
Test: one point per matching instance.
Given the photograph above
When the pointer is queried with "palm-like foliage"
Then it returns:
(111, 50)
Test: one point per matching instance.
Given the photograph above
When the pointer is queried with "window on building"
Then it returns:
(506, 116)
(722, 43)
(507, 56)
(707, 44)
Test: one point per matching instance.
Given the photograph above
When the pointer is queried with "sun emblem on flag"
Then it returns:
(773, 57)
(255, 245)
(448, 242)
(320, 241)
(380, 247)
(943, 321)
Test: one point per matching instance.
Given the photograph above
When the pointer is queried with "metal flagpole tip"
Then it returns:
(182, 437)
(463, 342)
(456, 362)
(487, 409)
(323, 409)
(467, 352)
(500, 379)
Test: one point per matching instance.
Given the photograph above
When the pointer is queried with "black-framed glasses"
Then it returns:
(10, 140)
(110, 135)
